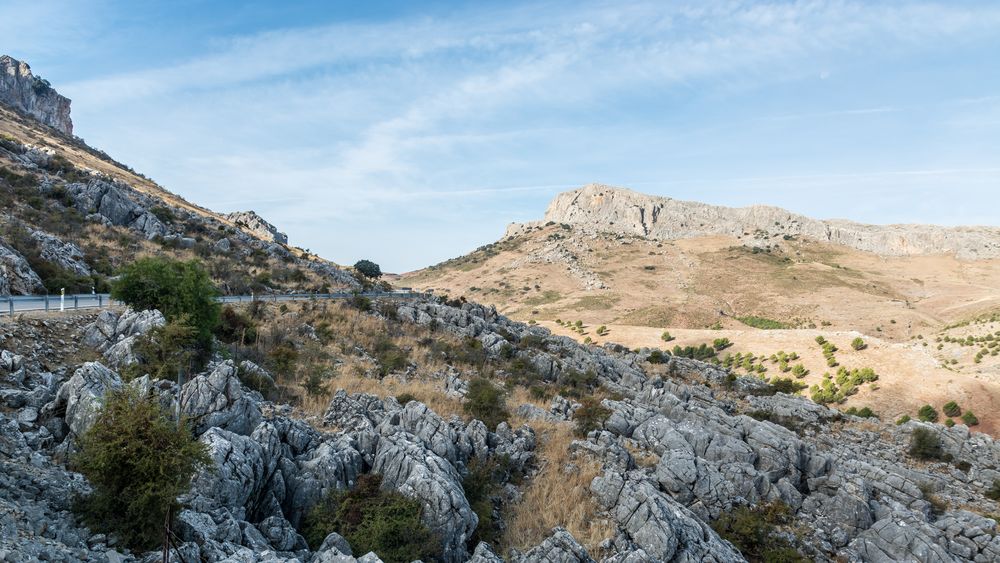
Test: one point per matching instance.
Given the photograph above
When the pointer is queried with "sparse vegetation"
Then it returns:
(373, 519)
(590, 416)
(762, 323)
(858, 344)
(925, 444)
(754, 531)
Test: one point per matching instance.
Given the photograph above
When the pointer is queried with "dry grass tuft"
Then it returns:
(555, 497)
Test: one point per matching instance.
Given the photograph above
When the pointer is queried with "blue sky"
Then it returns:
(411, 132)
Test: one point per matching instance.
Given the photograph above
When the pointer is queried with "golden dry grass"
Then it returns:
(554, 497)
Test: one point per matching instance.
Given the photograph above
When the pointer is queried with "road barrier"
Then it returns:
(13, 304)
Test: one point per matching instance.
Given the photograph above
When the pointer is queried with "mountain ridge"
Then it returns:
(602, 208)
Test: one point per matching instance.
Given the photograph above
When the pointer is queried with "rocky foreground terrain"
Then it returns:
(678, 447)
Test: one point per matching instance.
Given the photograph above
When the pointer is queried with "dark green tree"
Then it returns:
(368, 269)
(175, 288)
(138, 461)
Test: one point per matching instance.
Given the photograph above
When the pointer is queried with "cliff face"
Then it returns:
(603, 208)
(32, 95)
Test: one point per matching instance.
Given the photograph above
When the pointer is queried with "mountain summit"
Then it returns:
(607, 209)
(33, 95)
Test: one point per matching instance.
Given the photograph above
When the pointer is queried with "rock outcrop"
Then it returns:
(605, 209)
(257, 226)
(32, 95)
(16, 275)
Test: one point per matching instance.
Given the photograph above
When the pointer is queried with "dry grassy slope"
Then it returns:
(29, 132)
(686, 283)
(683, 285)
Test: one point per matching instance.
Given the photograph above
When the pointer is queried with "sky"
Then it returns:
(411, 132)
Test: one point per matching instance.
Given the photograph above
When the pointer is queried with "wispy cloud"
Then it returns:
(499, 107)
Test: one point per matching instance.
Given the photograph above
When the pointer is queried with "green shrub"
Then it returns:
(927, 414)
(863, 412)
(753, 530)
(820, 340)
(482, 485)
(175, 288)
(925, 444)
(164, 350)
(994, 490)
(235, 327)
(969, 419)
(721, 344)
(486, 402)
(951, 408)
(799, 370)
(858, 344)
(786, 385)
(666, 337)
(902, 420)
(657, 357)
(373, 519)
(138, 462)
(949, 422)
(590, 416)
(390, 357)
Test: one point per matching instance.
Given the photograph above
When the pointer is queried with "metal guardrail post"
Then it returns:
(10, 303)
(46, 302)
(76, 301)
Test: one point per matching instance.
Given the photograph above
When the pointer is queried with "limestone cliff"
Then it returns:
(256, 225)
(32, 95)
(601, 208)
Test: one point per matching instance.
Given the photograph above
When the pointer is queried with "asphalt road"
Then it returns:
(23, 303)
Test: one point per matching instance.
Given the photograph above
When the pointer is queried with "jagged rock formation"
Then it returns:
(854, 493)
(260, 228)
(604, 209)
(32, 95)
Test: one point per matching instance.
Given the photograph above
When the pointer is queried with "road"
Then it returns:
(10, 305)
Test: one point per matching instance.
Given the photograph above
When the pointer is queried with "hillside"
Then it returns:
(71, 215)
(648, 269)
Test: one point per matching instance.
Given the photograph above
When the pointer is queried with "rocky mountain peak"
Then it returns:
(33, 95)
(605, 209)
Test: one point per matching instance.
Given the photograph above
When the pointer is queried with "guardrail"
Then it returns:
(12, 304)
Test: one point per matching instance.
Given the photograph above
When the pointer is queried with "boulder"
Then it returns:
(217, 400)
(80, 399)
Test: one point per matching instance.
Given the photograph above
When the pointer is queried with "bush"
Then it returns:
(994, 490)
(927, 414)
(175, 288)
(951, 408)
(925, 444)
(753, 530)
(482, 485)
(373, 519)
(666, 337)
(721, 344)
(903, 420)
(969, 419)
(657, 357)
(858, 344)
(590, 416)
(368, 269)
(235, 327)
(164, 350)
(786, 385)
(485, 402)
(799, 370)
(138, 462)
